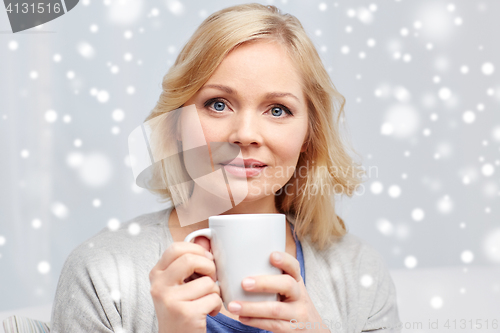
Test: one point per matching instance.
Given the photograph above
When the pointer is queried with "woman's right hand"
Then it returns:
(181, 302)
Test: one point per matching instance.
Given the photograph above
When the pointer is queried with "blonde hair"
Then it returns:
(326, 156)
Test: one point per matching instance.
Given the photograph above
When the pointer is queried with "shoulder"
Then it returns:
(105, 278)
(360, 271)
(138, 240)
(355, 261)
(348, 249)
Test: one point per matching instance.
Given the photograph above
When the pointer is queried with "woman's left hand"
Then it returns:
(294, 310)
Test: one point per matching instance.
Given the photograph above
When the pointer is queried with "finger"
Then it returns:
(284, 285)
(186, 265)
(271, 325)
(270, 310)
(211, 303)
(215, 311)
(195, 289)
(289, 264)
(175, 250)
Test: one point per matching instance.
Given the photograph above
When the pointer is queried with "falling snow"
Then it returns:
(394, 191)
(113, 224)
(491, 246)
(43, 267)
(36, 223)
(50, 116)
(74, 159)
(417, 214)
(366, 280)
(436, 302)
(467, 256)
(401, 120)
(445, 205)
(102, 96)
(95, 169)
(410, 262)
(469, 117)
(13, 45)
(115, 295)
(488, 170)
(59, 210)
(376, 187)
(123, 12)
(488, 68)
(385, 227)
(175, 7)
(134, 229)
(25, 153)
(444, 93)
(86, 50)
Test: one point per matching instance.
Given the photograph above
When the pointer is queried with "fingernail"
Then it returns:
(277, 257)
(234, 307)
(208, 255)
(248, 283)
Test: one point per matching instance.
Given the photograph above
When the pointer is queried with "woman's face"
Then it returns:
(254, 100)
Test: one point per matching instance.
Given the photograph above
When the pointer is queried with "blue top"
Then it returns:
(223, 324)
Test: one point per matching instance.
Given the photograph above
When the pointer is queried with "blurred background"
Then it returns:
(421, 80)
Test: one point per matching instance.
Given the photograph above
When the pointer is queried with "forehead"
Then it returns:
(259, 65)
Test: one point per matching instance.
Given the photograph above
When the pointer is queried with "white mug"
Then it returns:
(242, 245)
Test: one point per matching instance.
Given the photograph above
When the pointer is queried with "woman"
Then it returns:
(258, 83)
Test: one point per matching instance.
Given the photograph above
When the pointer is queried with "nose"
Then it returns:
(245, 129)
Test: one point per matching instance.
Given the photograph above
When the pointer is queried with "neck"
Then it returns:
(262, 206)
(203, 204)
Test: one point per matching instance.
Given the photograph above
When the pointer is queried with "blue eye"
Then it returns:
(278, 109)
(219, 106)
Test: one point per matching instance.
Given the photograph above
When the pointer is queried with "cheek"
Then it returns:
(212, 130)
(286, 145)
(191, 129)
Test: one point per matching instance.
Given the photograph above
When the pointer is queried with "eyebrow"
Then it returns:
(232, 92)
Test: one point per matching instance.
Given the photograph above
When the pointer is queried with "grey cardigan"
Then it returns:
(104, 284)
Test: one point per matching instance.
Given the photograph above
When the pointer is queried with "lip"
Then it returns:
(244, 168)
(246, 163)
(243, 172)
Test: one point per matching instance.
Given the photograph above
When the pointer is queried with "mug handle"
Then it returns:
(207, 232)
